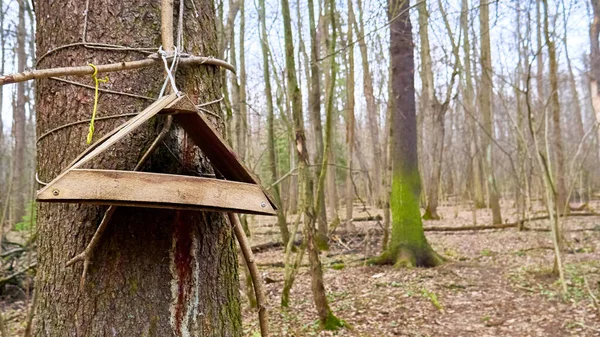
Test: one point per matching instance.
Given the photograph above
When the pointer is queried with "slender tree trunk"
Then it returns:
(241, 127)
(556, 122)
(227, 40)
(285, 234)
(156, 272)
(326, 317)
(408, 245)
(578, 122)
(19, 177)
(468, 97)
(372, 120)
(432, 107)
(4, 148)
(595, 64)
(389, 129)
(350, 120)
(314, 107)
(486, 107)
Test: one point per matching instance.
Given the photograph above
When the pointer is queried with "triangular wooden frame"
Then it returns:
(241, 192)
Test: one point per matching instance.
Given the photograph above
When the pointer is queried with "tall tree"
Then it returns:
(372, 118)
(241, 127)
(486, 107)
(19, 176)
(285, 234)
(326, 317)
(469, 107)
(314, 107)
(595, 63)
(432, 106)
(156, 272)
(408, 245)
(350, 118)
(557, 141)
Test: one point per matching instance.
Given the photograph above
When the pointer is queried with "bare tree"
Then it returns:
(486, 107)
(408, 245)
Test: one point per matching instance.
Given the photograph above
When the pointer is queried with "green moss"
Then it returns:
(408, 246)
(133, 285)
(337, 266)
(322, 242)
(153, 326)
(332, 323)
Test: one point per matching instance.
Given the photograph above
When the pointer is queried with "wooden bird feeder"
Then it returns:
(240, 192)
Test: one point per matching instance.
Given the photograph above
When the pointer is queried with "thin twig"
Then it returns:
(85, 21)
(84, 121)
(108, 91)
(88, 252)
(96, 45)
(31, 314)
(106, 68)
(254, 273)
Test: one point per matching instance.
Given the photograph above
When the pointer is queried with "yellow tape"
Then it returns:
(96, 81)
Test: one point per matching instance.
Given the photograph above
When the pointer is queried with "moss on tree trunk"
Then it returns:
(408, 245)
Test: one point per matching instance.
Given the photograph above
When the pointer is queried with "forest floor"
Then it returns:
(495, 283)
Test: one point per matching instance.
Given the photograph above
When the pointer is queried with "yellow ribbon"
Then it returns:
(96, 81)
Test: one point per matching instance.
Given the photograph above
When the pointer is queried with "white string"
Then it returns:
(170, 77)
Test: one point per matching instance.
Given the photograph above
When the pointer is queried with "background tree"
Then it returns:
(408, 245)
(486, 107)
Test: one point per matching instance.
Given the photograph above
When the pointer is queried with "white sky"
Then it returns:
(503, 41)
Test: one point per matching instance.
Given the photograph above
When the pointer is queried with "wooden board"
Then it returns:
(154, 190)
(221, 156)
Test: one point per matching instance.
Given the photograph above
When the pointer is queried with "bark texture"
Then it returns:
(155, 272)
(408, 245)
(19, 174)
(485, 105)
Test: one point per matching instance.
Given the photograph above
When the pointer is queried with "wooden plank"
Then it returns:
(131, 125)
(154, 190)
(221, 156)
(182, 105)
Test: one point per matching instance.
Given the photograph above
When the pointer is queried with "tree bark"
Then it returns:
(561, 198)
(281, 221)
(486, 107)
(350, 121)
(19, 184)
(314, 107)
(468, 97)
(408, 245)
(326, 316)
(595, 64)
(155, 272)
(372, 120)
(432, 107)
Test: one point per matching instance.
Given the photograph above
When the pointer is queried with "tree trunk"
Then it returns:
(372, 120)
(350, 121)
(19, 177)
(431, 107)
(326, 316)
(486, 107)
(468, 96)
(281, 221)
(408, 245)
(241, 127)
(314, 107)
(595, 64)
(561, 201)
(156, 272)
